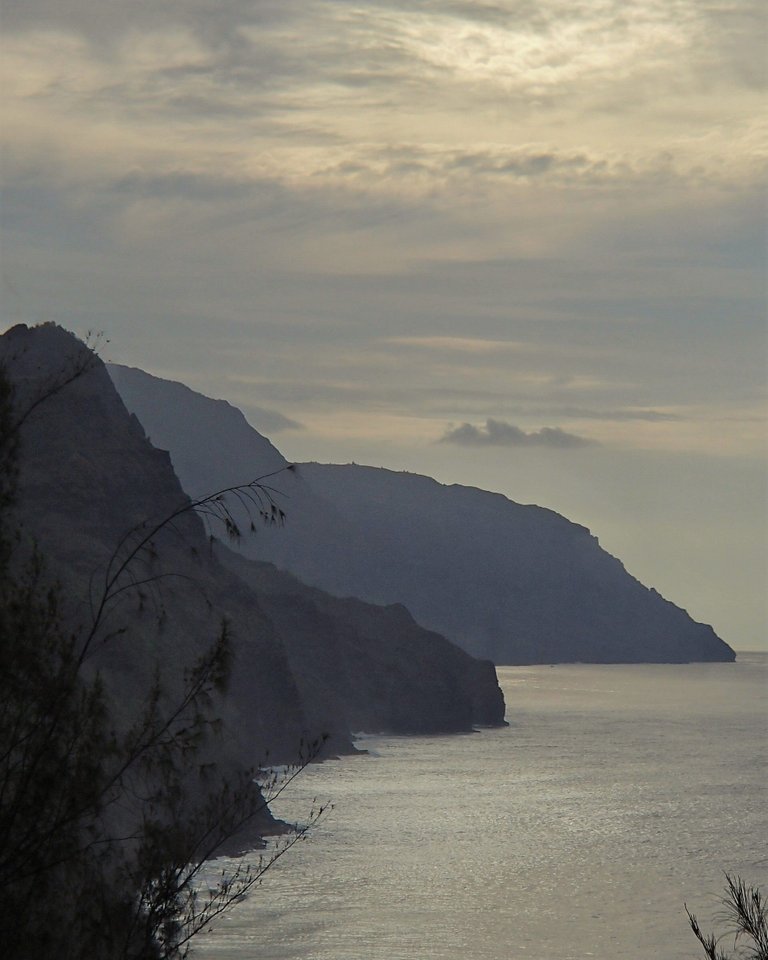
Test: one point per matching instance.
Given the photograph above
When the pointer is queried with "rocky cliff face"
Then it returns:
(204, 434)
(373, 666)
(89, 476)
(510, 582)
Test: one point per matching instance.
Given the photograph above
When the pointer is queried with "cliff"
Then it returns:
(89, 475)
(515, 583)
(509, 582)
(372, 666)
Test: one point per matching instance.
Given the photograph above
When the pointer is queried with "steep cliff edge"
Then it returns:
(510, 582)
(89, 475)
(373, 666)
(515, 583)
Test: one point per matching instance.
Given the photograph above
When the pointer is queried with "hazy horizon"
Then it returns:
(519, 247)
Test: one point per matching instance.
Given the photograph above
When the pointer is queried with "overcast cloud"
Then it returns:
(387, 218)
(497, 433)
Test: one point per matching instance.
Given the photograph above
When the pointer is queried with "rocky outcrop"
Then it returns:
(372, 666)
(91, 484)
(515, 583)
(509, 582)
(208, 437)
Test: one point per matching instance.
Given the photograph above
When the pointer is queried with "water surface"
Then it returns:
(617, 794)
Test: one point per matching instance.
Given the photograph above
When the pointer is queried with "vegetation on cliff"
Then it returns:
(106, 815)
(124, 761)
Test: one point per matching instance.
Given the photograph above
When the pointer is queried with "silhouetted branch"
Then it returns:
(745, 918)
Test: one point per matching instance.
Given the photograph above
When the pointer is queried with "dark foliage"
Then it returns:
(105, 822)
(744, 919)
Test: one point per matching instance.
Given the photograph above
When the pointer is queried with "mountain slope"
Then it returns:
(88, 475)
(373, 666)
(510, 582)
(192, 424)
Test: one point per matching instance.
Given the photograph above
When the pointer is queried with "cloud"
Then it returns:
(177, 86)
(376, 205)
(471, 345)
(650, 416)
(498, 433)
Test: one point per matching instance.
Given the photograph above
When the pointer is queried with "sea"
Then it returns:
(617, 795)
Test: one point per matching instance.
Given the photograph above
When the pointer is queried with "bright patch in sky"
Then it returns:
(388, 221)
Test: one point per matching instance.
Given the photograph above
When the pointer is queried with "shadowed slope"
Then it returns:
(514, 583)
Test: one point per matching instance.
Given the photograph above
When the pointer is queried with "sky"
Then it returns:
(517, 245)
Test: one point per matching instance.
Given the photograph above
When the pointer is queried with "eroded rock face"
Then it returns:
(374, 666)
(510, 582)
(304, 667)
(88, 476)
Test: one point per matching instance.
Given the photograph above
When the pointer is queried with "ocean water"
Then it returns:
(616, 795)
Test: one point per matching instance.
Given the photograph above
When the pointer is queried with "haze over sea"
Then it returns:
(616, 795)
